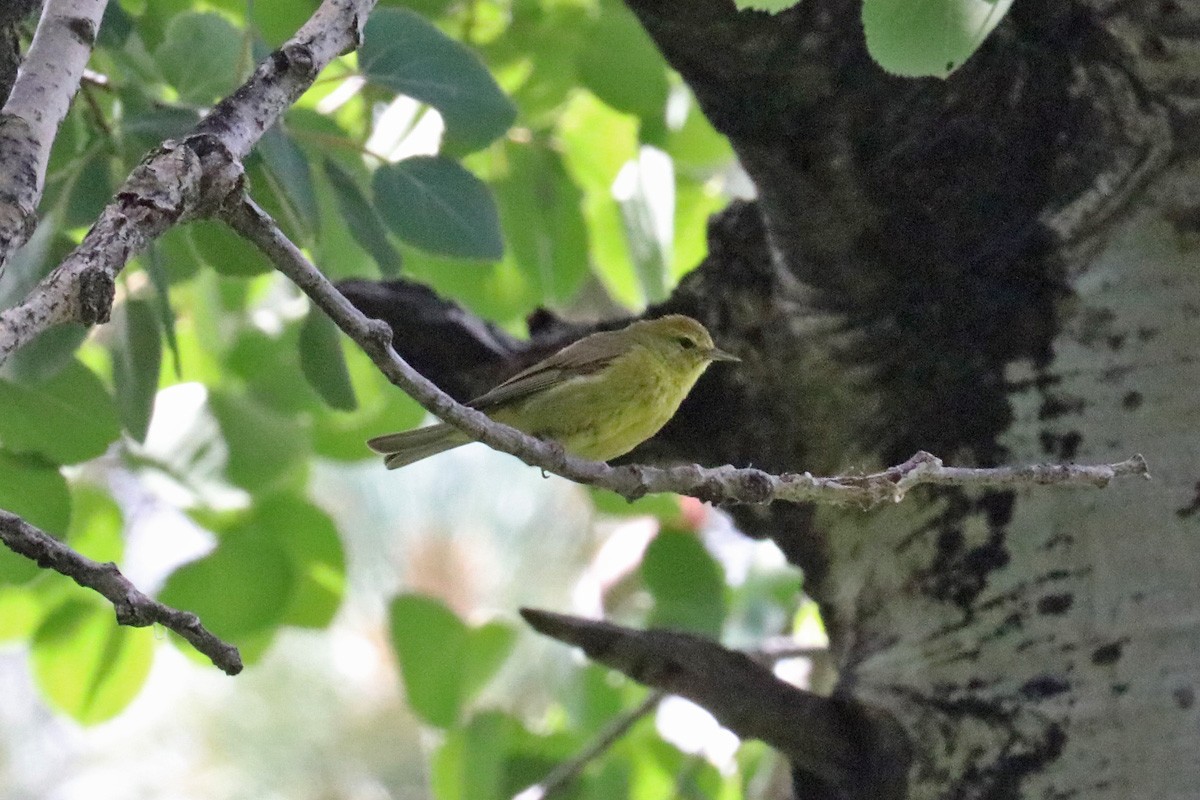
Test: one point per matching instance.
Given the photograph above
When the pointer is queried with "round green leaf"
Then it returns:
(97, 527)
(46, 355)
(310, 539)
(200, 55)
(270, 367)
(487, 648)
(242, 588)
(932, 37)
(688, 586)
(20, 612)
(773, 6)
(540, 207)
(621, 65)
(36, 492)
(404, 52)
(225, 251)
(431, 644)
(264, 447)
(435, 204)
(443, 661)
(67, 419)
(88, 666)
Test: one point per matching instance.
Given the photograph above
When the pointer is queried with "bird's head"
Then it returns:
(680, 340)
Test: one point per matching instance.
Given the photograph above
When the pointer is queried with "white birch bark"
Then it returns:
(1054, 651)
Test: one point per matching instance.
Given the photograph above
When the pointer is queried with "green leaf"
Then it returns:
(311, 541)
(270, 367)
(540, 207)
(225, 251)
(290, 178)
(200, 56)
(362, 219)
(470, 763)
(241, 589)
(323, 363)
(162, 302)
(620, 65)
(431, 644)
(277, 22)
(695, 202)
(382, 408)
(435, 204)
(404, 52)
(688, 586)
(47, 355)
(488, 646)
(929, 38)
(145, 123)
(30, 263)
(697, 146)
(36, 492)
(20, 611)
(67, 419)
(90, 191)
(442, 661)
(493, 757)
(88, 666)
(136, 357)
(597, 143)
(97, 528)
(265, 448)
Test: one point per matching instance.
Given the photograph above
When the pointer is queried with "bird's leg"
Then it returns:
(556, 448)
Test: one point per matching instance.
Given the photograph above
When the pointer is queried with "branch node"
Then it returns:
(297, 58)
(96, 292)
(756, 487)
(637, 477)
(380, 333)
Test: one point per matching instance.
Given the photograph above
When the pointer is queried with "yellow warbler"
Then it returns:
(599, 397)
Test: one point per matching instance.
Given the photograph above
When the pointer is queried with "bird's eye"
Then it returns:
(686, 343)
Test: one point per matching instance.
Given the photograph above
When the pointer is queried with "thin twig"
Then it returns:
(133, 608)
(720, 484)
(566, 772)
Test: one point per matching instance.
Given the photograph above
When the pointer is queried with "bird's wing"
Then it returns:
(585, 357)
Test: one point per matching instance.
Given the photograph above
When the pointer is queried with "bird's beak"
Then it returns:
(717, 354)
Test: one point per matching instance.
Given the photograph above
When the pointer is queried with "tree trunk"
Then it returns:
(997, 268)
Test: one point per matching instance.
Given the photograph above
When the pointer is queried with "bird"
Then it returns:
(598, 397)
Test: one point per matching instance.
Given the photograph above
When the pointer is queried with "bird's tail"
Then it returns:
(402, 449)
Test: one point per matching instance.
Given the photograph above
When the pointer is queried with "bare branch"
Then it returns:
(818, 734)
(40, 98)
(133, 608)
(182, 179)
(719, 485)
